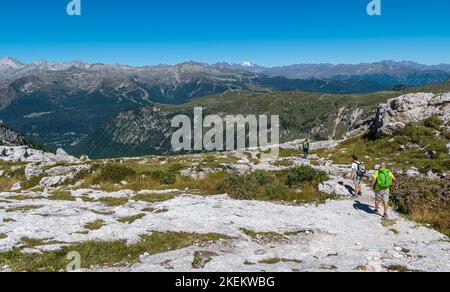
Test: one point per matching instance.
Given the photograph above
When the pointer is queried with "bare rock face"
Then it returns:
(11, 137)
(60, 174)
(63, 156)
(397, 112)
(33, 171)
(26, 154)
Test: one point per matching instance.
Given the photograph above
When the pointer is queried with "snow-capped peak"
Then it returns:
(248, 64)
(10, 62)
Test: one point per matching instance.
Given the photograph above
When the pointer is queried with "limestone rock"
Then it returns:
(60, 174)
(16, 187)
(397, 112)
(33, 171)
(26, 154)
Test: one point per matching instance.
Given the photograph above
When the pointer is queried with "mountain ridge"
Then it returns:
(59, 106)
(296, 71)
(395, 73)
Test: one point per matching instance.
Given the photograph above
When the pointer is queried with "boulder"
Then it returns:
(60, 174)
(337, 187)
(197, 173)
(397, 112)
(33, 171)
(63, 156)
(343, 188)
(26, 154)
(16, 187)
(412, 172)
(53, 181)
(84, 158)
(65, 170)
(238, 168)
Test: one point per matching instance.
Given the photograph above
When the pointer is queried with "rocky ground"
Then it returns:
(340, 235)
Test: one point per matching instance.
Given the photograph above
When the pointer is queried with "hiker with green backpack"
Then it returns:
(383, 180)
(306, 146)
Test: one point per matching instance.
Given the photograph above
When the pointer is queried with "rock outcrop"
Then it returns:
(26, 154)
(10, 137)
(397, 112)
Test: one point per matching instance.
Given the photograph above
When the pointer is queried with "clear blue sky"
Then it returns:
(268, 32)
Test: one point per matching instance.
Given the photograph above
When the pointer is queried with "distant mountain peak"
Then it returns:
(10, 62)
(248, 64)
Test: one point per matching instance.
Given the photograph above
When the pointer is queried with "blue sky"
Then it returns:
(267, 32)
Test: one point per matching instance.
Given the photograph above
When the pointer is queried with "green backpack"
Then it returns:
(306, 146)
(384, 179)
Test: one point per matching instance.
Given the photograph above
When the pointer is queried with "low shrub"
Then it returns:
(298, 184)
(298, 176)
(433, 122)
(417, 133)
(241, 187)
(163, 177)
(425, 201)
(114, 174)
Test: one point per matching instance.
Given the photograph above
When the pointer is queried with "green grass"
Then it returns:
(95, 225)
(388, 223)
(131, 219)
(3, 236)
(201, 259)
(33, 182)
(104, 254)
(155, 211)
(105, 213)
(62, 196)
(114, 174)
(153, 198)
(26, 198)
(273, 261)
(286, 153)
(34, 242)
(400, 269)
(328, 267)
(22, 209)
(113, 202)
(267, 236)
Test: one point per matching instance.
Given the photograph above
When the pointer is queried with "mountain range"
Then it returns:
(387, 72)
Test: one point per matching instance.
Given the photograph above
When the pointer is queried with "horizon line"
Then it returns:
(218, 62)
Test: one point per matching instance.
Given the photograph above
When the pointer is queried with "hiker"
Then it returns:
(306, 145)
(358, 173)
(382, 182)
